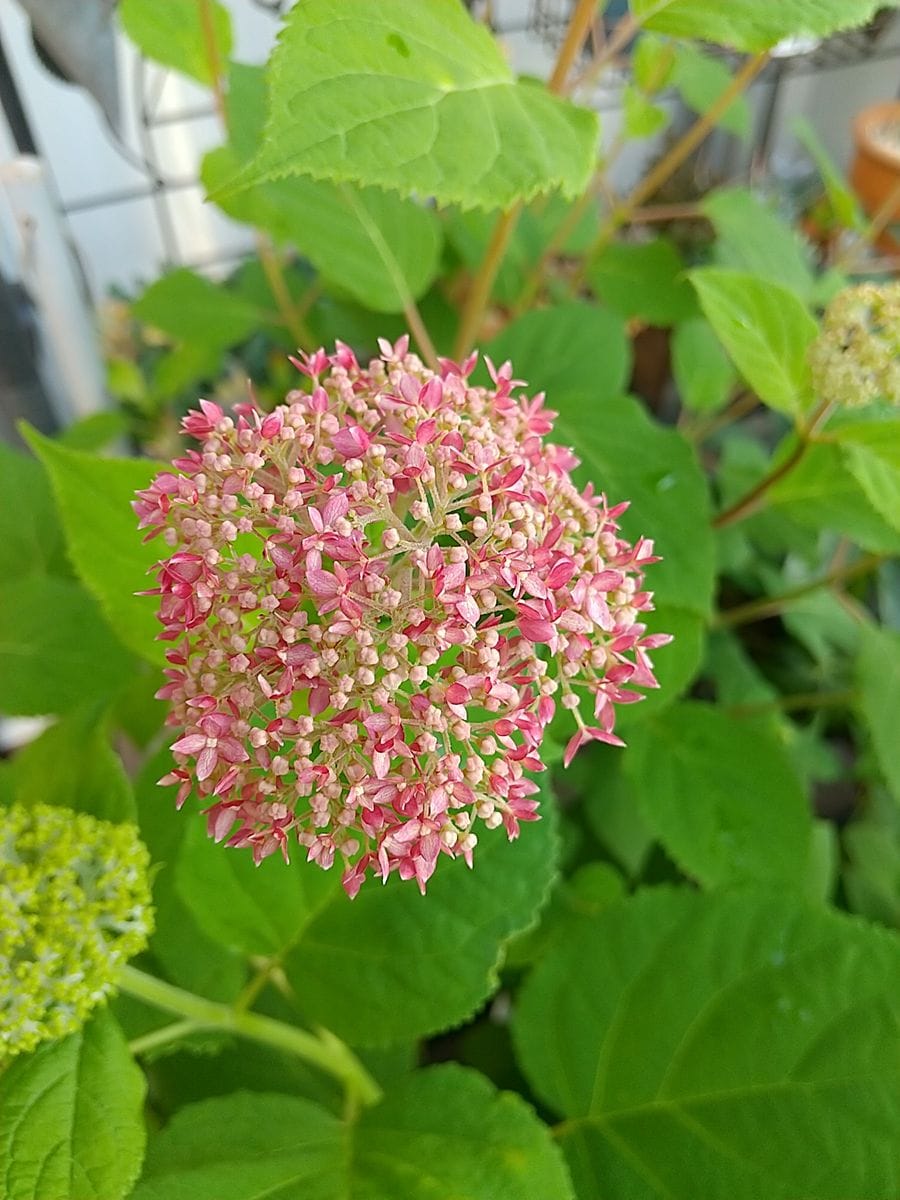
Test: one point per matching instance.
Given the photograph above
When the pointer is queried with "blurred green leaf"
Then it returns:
(172, 33)
(844, 203)
(31, 537)
(752, 25)
(765, 329)
(193, 309)
(702, 79)
(645, 280)
(694, 1035)
(878, 672)
(752, 237)
(643, 118)
(652, 62)
(703, 372)
(424, 78)
(71, 1118)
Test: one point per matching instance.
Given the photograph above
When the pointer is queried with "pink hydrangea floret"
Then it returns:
(377, 595)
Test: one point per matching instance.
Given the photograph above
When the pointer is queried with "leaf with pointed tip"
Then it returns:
(417, 99)
(696, 1035)
(173, 33)
(71, 1118)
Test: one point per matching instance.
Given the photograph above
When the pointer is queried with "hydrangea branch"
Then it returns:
(771, 606)
(324, 1050)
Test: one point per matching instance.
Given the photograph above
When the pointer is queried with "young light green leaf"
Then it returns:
(629, 456)
(702, 79)
(652, 62)
(391, 96)
(31, 538)
(721, 796)
(703, 372)
(752, 237)
(245, 1147)
(570, 348)
(173, 33)
(71, 1118)
(645, 280)
(879, 681)
(752, 25)
(254, 909)
(765, 329)
(394, 965)
(686, 1024)
(55, 647)
(94, 497)
(879, 480)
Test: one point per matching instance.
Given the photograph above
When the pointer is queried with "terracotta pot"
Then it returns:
(876, 168)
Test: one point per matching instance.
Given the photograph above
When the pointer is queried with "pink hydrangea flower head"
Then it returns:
(377, 595)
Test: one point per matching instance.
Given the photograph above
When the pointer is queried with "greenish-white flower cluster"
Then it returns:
(74, 906)
(856, 357)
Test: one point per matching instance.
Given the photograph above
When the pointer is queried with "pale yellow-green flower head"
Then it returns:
(74, 906)
(856, 357)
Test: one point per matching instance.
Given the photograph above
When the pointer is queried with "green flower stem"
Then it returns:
(771, 606)
(798, 702)
(323, 1050)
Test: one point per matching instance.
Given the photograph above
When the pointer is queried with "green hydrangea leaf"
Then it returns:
(643, 118)
(752, 237)
(194, 310)
(245, 1147)
(878, 672)
(662, 479)
(571, 347)
(173, 34)
(71, 1118)
(94, 497)
(381, 249)
(55, 648)
(645, 280)
(765, 329)
(752, 25)
(394, 965)
(703, 372)
(687, 1025)
(389, 96)
(31, 538)
(254, 909)
(721, 822)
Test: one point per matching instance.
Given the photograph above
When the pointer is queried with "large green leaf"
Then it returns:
(753, 24)
(31, 541)
(380, 248)
(629, 456)
(73, 765)
(444, 1132)
(94, 499)
(644, 280)
(721, 822)
(729, 1046)
(571, 347)
(71, 1118)
(878, 671)
(395, 965)
(752, 237)
(765, 329)
(255, 909)
(56, 651)
(417, 99)
(173, 33)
